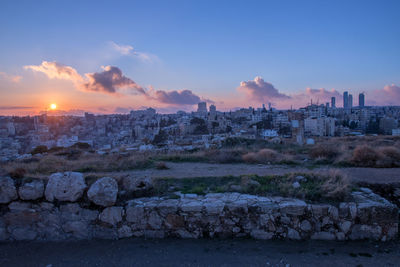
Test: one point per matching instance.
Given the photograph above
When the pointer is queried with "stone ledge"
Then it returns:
(213, 215)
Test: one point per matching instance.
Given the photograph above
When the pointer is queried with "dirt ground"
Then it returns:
(171, 252)
(187, 170)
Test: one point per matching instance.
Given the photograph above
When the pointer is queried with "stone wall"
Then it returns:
(67, 209)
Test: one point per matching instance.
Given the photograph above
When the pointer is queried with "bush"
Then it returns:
(328, 186)
(161, 166)
(335, 185)
(70, 153)
(55, 149)
(263, 156)
(50, 164)
(82, 145)
(39, 150)
(365, 156)
(17, 173)
(223, 156)
(390, 157)
(323, 151)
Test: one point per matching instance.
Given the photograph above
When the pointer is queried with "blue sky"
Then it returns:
(209, 47)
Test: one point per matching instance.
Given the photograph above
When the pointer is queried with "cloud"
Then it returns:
(58, 112)
(102, 109)
(128, 50)
(260, 91)
(320, 96)
(109, 80)
(388, 95)
(263, 92)
(122, 110)
(12, 78)
(123, 49)
(55, 70)
(15, 107)
(183, 97)
(393, 93)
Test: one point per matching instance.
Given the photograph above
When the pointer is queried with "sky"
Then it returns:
(114, 56)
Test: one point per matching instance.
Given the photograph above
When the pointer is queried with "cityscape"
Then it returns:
(142, 130)
(199, 133)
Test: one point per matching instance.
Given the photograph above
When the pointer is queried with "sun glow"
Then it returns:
(53, 106)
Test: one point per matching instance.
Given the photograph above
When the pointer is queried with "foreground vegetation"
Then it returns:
(330, 186)
(377, 152)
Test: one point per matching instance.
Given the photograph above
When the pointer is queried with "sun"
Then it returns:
(53, 106)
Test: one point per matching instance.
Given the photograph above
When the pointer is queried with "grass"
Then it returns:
(330, 186)
(51, 163)
(201, 185)
(210, 156)
(337, 151)
(380, 157)
(367, 151)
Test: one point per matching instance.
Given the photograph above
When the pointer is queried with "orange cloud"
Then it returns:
(111, 80)
(260, 91)
(55, 70)
(12, 78)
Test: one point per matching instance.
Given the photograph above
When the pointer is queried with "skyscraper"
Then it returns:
(350, 101)
(361, 100)
(213, 109)
(333, 102)
(346, 99)
(202, 107)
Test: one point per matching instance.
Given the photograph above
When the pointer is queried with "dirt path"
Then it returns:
(185, 170)
(171, 252)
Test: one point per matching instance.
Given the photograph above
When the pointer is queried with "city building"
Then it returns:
(361, 100)
(333, 102)
(202, 107)
(346, 100)
(350, 101)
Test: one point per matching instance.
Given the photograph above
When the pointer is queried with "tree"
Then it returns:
(161, 137)
(353, 125)
(201, 126)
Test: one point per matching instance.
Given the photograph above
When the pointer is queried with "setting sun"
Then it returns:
(53, 106)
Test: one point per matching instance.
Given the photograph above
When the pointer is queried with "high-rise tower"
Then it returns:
(202, 107)
(350, 101)
(361, 100)
(346, 99)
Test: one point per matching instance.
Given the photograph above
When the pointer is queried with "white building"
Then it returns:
(396, 132)
(269, 133)
(322, 126)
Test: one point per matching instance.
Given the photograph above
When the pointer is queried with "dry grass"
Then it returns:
(365, 156)
(264, 156)
(211, 156)
(331, 186)
(380, 157)
(322, 151)
(335, 184)
(161, 166)
(390, 157)
(85, 163)
(368, 151)
(223, 155)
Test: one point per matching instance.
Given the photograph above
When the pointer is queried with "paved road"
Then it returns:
(171, 252)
